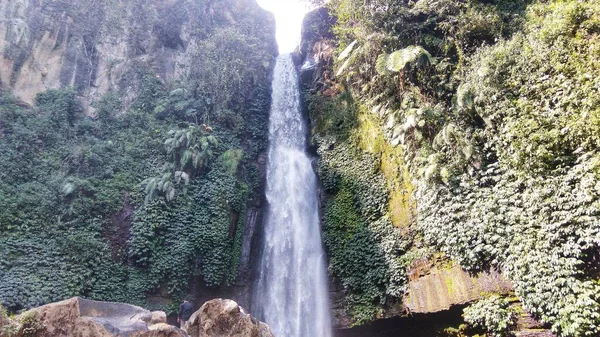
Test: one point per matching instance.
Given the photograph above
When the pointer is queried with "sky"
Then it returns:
(289, 15)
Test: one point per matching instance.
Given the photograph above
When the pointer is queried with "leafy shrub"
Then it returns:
(362, 243)
(493, 314)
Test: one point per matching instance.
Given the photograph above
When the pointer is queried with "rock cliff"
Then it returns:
(99, 46)
(111, 81)
(383, 277)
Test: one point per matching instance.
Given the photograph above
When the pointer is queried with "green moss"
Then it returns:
(368, 133)
(449, 286)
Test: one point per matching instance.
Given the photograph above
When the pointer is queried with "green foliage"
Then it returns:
(74, 220)
(191, 148)
(62, 106)
(183, 105)
(493, 314)
(399, 59)
(536, 98)
(228, 86)
(169, 239)
(335, 116)
(362, 243)
(551, 230)
(347, 239)
(191, 151)
(500, 135)
(231, 160)
(164, 184)
(107, 107)
(8, 327)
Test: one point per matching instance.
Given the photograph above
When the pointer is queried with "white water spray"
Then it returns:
(292, 292)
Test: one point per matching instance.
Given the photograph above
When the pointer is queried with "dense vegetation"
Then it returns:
(474, 126)
(137, 200)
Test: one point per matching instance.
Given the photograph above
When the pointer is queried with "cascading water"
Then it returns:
(292, 292)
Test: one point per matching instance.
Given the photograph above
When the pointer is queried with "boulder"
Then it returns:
(78, 317)
(158, 317)
(225, 318)
(163, 330)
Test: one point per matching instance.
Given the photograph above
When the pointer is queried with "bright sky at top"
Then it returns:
(289, 15)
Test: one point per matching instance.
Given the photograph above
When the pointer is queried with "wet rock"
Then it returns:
(162, 330)
(225, 318)
(316, 49)
(85, 318)
(317, 26)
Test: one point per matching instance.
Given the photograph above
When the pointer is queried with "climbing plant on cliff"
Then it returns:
(493, 314)
(74, 220)
(498, 134)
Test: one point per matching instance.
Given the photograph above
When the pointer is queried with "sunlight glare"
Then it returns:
(289, 15)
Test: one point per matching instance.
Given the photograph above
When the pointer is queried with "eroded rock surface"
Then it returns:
(442, 288)
(99, 46)
(77, 317)
(225, 318)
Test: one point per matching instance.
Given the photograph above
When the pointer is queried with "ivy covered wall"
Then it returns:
(472, 127)
(144, 198)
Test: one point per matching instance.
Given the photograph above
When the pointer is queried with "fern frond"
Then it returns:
(381, 65)
(399, 59)
(347, 51)
(349, 61)
(170, 194)
(180, 175)
(177, 92)
(185, 157)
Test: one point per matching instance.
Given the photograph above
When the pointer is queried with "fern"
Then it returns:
(399, 59)
(464, 97)
(433, 41)
(350, 55)
(349, 61)
(347, 51)
(381, 65)
(231, 160)
(191, 146)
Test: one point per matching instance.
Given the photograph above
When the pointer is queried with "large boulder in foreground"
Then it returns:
(225, 318)
(78, 317)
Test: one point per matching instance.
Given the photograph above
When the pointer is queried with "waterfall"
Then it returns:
(292, 293)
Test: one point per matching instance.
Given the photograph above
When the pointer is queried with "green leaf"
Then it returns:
(347, 50)
(381, 65)
(399, 59)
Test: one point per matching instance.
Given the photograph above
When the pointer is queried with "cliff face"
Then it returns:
(438, 147)
(94, 90)
(97, 46)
